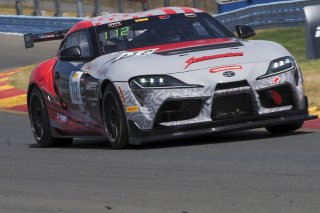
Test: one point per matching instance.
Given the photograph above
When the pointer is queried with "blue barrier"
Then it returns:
(32, 24)
(230, 6)
(222, 8)
(276, 14)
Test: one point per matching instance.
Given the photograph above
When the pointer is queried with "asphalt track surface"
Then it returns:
(248, 171)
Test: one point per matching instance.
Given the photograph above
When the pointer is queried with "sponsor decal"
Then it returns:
(91, 85)
(74, 87)
(141, 19)
(61, 118)
(276, 80)
(47, 36)
(75, 75)
(114, 24)
(229, 74)
(132, 109)
(225, 68)
(55, 124)
(211, 57)
(138, 53)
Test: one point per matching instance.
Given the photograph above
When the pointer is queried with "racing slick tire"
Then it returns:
(40, 122)
(113, 116)
(285, 128)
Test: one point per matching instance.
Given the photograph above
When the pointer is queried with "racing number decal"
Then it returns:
(124, 31)
(317, 35)
(74, 87)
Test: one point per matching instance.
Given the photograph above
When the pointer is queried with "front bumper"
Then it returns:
(208, 128)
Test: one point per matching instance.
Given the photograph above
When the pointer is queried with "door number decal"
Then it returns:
(317, 35)
(74, 85)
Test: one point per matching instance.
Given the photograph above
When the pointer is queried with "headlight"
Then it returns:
(155, 81)
(280, 65)
(140, 85)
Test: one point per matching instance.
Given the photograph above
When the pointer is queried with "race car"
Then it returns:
(161, 74)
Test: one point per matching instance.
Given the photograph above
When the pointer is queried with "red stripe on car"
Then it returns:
(168, 11)
(187, 10)
(225, 68)
(79, 26)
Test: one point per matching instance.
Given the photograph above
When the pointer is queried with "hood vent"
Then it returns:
(200, 48)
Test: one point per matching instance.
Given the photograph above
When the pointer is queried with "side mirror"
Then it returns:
(71, 53)
(245, 31)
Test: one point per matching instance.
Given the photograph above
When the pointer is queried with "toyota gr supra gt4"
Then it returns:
(161, 74)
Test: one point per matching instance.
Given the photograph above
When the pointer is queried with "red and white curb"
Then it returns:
(11, 98)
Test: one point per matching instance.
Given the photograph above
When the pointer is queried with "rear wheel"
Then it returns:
(285, 128)
(114, 118)
(40, 122)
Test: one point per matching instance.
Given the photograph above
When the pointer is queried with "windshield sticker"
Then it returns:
(225, 68)
(74, 87)
(114, 24)
(211, 57)
(141, 19)
(190, 15)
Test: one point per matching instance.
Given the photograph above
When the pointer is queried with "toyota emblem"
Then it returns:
(229, 74)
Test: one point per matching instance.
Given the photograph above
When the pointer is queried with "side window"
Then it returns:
(78, 39)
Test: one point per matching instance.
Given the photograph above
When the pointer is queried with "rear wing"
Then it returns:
(30, 39)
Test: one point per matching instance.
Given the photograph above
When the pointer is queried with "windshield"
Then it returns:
(158, 30)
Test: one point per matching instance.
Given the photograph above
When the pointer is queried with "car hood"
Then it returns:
(122, 66)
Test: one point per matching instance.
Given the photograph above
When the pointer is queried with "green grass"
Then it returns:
(20, 80)
(294, 39)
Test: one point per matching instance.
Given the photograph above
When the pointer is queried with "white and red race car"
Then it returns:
(161, 74)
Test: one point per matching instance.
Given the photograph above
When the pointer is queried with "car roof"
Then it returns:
(116, 17)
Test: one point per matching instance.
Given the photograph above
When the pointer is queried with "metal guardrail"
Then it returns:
(280, 14)
(276, 14)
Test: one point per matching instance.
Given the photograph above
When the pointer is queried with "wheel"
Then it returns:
(40, 122)
(113, 117)
(285, 128)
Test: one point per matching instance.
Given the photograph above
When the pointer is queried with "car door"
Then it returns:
(69, 75)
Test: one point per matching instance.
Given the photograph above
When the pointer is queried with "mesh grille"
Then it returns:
(231, 106)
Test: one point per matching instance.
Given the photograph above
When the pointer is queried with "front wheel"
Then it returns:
(114, 118)
(40, 122)
(285, 128)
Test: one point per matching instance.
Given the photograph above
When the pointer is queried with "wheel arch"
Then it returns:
(103, 86)
(31, 87)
